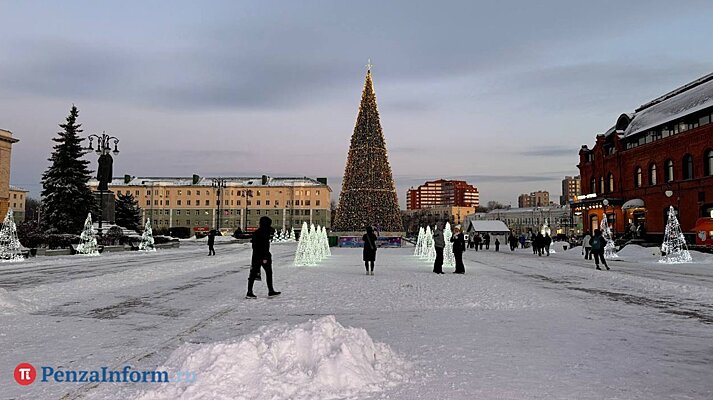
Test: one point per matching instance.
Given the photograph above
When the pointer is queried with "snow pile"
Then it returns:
(11, 304)
(319, 359)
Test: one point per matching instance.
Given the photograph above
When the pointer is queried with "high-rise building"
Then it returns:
(442, 193)
(571, 188)
(368, 194)
(540, 198)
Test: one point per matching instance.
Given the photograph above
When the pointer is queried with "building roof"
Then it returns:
(685, 100)
(487, 226)
(17, 189)
(207, 181)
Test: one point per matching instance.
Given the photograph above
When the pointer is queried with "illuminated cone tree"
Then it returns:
(674, 249)
(10, 248)
(368, 196)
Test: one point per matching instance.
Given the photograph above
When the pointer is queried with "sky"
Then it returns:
(502, 94)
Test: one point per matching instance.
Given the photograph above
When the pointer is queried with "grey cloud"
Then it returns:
(553, 151)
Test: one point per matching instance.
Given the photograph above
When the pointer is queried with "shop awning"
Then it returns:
(633, 203)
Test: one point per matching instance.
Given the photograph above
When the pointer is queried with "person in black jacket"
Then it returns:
(546, 243)
(211, 242)
(598, 244)
(369, 240)
(261, 257)
(458, 240)
(439, 243)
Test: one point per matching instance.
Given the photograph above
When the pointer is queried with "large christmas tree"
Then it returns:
(368, 194)
(66, 198)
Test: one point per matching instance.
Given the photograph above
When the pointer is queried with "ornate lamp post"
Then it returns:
(247, 194)
(104, 172)
(218, 183)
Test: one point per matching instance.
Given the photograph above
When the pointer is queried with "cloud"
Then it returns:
(552, 151)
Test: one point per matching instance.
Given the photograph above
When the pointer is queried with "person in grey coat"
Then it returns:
(439, 242)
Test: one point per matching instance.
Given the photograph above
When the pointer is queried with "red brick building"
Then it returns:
(442, 193)
(659, 156)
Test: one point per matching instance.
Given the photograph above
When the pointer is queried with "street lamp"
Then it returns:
(247, 194)
(104, 172)
(218, 183)
(605, 203)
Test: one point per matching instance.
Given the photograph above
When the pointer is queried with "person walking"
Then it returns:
(471, 241)
(458, 241)
(211, 242)
(587, 246)
(522, 240)
(486, 239)
(598, 243)
(261, 257)
(439, 243)
(547, 241)
(497, 245)
(369, 240)
(478, 240)
(540, 243)
(513, 241)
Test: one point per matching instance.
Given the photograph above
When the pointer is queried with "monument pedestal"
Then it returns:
(107, 202)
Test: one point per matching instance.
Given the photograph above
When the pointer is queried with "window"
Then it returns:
(137, 192)
(155, 202)
(592, 185)
(197, 212)
(168, 192)
(180, 192)
(611, 183)
(637, 177)
(178, 202)
(148, 193)
(198, 192)
(277, 202)
(708, 166)
(601, 184)
(226, 202)
(188, 202)
(237, 202)
(188, 192)
(155, 192)
(687, 166)
(167, 203)
(148, 202)
(652, 174)
(669, 171)
(267, 202)
(258, 202)
(178, 212)
(307, 202)
(317, 202)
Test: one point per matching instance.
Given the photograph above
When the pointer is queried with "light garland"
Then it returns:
(87, 240)
(147, 242)
(419, 250)
(674, 248)
(449, 259)
(10, 248)
(610, 247)
(312, 247)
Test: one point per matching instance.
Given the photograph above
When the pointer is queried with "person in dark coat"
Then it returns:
(369, 240)
(513, 241)
(471, 241)
(522, 240)
(486, 240)
(477, 241)
(546, 242)
(598, 243)
(439, 243)
(540, 243)
(211, 242)
(458, 240)
(497, 244)
(261, 257)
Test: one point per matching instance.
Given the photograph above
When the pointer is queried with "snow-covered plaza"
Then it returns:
(515, 326)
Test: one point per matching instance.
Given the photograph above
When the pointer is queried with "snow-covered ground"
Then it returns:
(516, 326)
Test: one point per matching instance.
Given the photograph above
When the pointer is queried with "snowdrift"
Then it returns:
(11, 304)
(319, 359)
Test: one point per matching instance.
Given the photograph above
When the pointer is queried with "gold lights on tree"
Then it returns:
(368, 194)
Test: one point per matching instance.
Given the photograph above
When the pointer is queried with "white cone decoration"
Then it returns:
(545, 230)
(88, 241)
(674, 249)
(449, 259)
(430, 246)
(610, 248)
(418, 252)
(312, 247)
(292, 237)
(10, 248)
(147, 242)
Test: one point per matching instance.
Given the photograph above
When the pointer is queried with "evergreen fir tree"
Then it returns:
(368, 196)
(127, 212)
(66, 198)
(10, 248)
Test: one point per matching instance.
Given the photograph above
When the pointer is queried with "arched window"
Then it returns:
(593, 185)
(708, 163)
(611, 182)
(669, 171)
(637, 177)
(601, 184)
(652, 174)
(687, 166)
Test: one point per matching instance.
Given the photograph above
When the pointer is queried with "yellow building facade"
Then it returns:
(17, 199)
(193, 201)
(6, 142)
